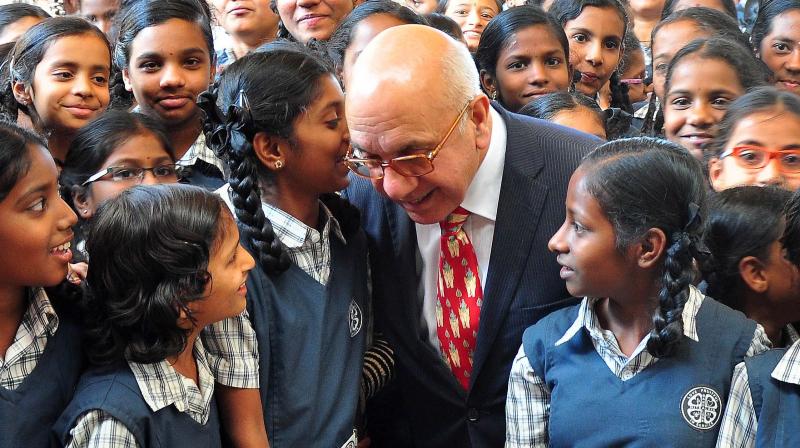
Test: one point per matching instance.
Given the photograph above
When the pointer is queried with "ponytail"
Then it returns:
(619, 94)
(121, 98)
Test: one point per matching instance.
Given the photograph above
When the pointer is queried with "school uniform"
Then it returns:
(142, 405)
(310, 332)
(571, 385)
(39, 373)
(764, 404)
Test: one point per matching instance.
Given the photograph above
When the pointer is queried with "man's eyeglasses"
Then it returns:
(413, 165)
(757, 157)
(167, 172)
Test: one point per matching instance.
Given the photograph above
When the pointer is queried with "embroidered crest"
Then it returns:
(701, 407)
(356, 318)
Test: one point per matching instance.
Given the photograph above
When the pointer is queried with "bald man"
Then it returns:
(435, 150)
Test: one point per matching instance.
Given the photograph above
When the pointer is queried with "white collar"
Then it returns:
(483, 193)
(788, 368)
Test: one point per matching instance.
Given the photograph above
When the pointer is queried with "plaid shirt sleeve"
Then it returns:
(527, 406)
(232, 352)
(98, 429)
(739, 425)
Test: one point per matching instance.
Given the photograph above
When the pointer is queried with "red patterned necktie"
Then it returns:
(459, 297)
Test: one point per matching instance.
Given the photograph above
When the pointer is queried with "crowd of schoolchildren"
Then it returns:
(178, 257)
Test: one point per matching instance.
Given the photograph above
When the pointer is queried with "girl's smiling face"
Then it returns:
(169, 66)
(699, 94)
(472, 16)
(532, 64)
(70, 84)
(35, 226)
(595, 46)
(780, 50)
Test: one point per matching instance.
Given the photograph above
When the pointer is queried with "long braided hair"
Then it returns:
(265, 91)
(644, 183)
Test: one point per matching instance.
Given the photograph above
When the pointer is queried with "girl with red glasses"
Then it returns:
(758, 142)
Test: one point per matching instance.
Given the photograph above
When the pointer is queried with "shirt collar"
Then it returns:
(161, 385)
(788, 368)
(194, 152)
(40, 315)
(293, 232)
(587, 318)
(483, 193)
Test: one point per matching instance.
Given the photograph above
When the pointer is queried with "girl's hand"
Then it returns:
(76, 272)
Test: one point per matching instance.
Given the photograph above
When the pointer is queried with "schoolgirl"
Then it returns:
(472, 16)
(748, 270)
(633, 71)
(765, 393)
(150, 384)
(758, 142)
(595, 30)
(302, 21)
(100, 12)
(573, 110)
(423, 7)
(775, 37)
(523, 54)
(16, 18)
(672, 34)
(58, 75)
(702, 80)
(165, 58)
(248, 24)
(40, 346)
(109, 155)
(643, 333)
(277, 118)
(446, 25)
(360, 27)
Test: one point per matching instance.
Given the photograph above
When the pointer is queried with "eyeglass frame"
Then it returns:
(632, 81)
(771, 154)
(98, 176)
(429, 156)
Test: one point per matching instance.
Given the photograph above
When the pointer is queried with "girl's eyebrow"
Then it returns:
(35, 189)
(73, 65)
(581, 30)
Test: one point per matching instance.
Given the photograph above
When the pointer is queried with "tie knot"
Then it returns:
(454, 221)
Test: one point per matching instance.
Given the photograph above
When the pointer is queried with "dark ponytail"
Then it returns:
(619, 94)
(264, 92)
(644, 183)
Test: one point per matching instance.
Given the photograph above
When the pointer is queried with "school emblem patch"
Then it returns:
(701, 407)
(356, 318)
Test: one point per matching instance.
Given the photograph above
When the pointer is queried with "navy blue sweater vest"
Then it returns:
(116, 392)
(311, 342)
(678, 401)
(777, 404)
(28, 412)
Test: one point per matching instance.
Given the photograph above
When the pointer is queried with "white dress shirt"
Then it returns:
(481, 200)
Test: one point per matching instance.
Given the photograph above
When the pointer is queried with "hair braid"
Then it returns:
(246, 199)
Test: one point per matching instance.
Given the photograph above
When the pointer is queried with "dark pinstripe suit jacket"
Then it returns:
(427, 407)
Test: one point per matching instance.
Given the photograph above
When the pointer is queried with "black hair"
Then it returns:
(767, 12)
(566, 10)
(445, 24)
(29, 51)
(757, 100)
(715, 23)
(643, 183)
(16, 11)
(546, 107)
(619, 91)
(729, 5)
(742, 222)
(15, 159)
(162, 236)
(343, 36)
(500, 31)
(134, 16)
(631, 45)
(266, 91)
(750, 70)
(791, 234)
(94, 143)
(442, 6)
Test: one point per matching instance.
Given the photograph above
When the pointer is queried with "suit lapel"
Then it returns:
(518, 212)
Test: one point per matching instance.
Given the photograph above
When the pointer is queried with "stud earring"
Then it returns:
(278, 165)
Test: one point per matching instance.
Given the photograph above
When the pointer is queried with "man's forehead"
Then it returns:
(389, 131)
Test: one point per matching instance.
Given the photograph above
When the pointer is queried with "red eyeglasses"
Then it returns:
(757, 157)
